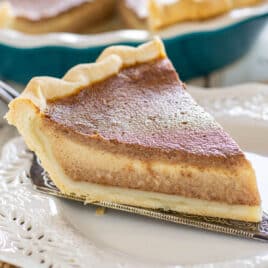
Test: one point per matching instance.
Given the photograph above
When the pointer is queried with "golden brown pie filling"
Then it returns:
(134, 114)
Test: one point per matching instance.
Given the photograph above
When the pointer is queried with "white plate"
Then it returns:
(41, 231)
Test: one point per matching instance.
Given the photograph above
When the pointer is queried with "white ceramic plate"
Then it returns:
(41, 231)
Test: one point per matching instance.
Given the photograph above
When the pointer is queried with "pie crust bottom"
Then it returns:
(96, 192)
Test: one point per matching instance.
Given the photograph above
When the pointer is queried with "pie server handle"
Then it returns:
(7, 93)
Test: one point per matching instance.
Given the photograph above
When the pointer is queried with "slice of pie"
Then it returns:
(125, 130)
(32, 16)
(156, 14)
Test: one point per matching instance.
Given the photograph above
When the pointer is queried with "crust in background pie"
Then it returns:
(81, 18)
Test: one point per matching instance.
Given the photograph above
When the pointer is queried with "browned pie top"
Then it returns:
(40, 9)
(146, 106)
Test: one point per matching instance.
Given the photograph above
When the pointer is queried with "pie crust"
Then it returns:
(155, 14)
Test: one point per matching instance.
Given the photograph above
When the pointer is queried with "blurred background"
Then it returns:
(211, 45)
(252, 67)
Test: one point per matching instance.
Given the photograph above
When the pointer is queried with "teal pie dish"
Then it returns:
(195, 49)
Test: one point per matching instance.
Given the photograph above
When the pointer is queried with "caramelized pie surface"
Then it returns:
(146, 106)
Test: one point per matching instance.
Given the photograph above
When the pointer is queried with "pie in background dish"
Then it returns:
(156, 14)
(91, 16)
(125, 130)
(31, 16)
